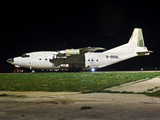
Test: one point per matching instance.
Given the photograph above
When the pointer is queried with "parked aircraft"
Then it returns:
(83, 58)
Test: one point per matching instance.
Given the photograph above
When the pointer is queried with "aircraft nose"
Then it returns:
(11, 60)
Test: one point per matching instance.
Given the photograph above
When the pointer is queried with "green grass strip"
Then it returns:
(68, 82)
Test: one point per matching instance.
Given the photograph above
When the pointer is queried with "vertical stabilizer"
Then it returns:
(135, 44)
(136, 39)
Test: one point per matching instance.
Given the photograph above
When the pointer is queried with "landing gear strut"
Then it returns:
(32, 70)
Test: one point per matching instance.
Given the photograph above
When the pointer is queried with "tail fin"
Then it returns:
(135, 47)
(135, 44)
(136, 39)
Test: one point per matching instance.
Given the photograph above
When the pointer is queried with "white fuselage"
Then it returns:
(46, 60)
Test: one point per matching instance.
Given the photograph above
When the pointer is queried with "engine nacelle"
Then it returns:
(70, 52)
(67, 52)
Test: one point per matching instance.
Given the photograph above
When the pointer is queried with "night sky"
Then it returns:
(40, 26)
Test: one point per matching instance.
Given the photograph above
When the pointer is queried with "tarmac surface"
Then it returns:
(67, 105)
(144, 85)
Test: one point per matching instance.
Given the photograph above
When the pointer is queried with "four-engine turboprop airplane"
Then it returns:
(83, 58)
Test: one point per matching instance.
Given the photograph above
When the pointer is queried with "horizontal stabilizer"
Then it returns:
(144, 53)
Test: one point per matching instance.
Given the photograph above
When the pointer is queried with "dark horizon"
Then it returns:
(41, 26)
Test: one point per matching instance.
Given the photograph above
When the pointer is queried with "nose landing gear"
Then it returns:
(32, 70)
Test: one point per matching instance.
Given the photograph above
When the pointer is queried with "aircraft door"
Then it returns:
(90, 60)
(29, 62)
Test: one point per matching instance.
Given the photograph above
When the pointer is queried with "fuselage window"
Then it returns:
(92, 59)
(97, 60)
(88, 59)
(46, 59)
(39, 58)
(107, 56)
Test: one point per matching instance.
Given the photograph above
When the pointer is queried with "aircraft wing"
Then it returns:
(70, 52)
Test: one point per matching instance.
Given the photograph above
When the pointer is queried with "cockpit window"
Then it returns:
(25, 55)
